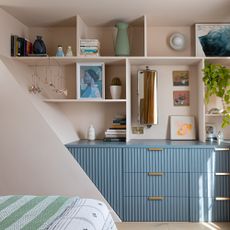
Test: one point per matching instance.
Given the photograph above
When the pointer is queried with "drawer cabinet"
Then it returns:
(104, 168)
(156, 184)
(161, 184)
(209, 185)
(156, 160)
(209, 209)
(156, 209)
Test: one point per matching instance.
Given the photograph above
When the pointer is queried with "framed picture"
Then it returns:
(210, 130)
(212, 40)
(182, 128)
(181, 98)
(180, 78)
(90, 81)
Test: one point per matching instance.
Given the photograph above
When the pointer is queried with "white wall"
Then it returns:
(32, 159)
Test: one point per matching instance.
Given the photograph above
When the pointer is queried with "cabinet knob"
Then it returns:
(155, 149)
(152, 198)
(155, 174)
(222, 174)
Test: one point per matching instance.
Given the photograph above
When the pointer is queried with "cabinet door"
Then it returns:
(156, 160)
(104, 168)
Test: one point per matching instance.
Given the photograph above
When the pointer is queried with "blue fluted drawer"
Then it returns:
(209, 160)
(166, 160)
(104, 168)
(209, 185)
(166, 184)
(168, 209)
(209, 209)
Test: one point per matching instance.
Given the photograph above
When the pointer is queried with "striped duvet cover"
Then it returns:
(53, 213)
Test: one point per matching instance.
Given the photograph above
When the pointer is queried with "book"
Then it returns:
(122, 139)
(13, 47)
(114, 126)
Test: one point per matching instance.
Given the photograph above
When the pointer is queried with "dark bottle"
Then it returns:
(39, 46)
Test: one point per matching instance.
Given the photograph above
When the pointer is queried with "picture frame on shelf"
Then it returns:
(181, 98)
(90, 81)
(180, 78)
(211, 132)
(182, 127)
(212, 40)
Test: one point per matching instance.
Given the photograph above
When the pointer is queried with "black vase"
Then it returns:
(39, 46)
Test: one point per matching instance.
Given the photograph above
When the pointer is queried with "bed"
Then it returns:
(53, 213)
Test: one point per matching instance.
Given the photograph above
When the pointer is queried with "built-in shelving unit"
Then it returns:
(149, 47)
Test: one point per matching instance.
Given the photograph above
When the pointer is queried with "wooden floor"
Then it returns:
(172, 226)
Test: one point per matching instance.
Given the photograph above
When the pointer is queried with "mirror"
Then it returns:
(147, 97)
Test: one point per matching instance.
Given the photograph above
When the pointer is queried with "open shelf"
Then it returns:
(85, 101)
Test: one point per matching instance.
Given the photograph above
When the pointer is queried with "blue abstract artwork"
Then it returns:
(213, 40)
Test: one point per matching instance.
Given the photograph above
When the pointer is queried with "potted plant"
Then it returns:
(115, 88)
(217, 81)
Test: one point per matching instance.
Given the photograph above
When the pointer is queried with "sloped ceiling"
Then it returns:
(103, 12)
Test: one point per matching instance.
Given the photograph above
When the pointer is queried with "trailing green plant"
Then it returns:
(116, 81)
(217, 81)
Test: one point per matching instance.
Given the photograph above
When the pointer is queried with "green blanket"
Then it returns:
(31, 212)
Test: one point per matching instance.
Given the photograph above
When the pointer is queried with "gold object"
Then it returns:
(222, 149)
(155, 149)
(155, 198)
(222, 174)
(222, 198)
(155, 173)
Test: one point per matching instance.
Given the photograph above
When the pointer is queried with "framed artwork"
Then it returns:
(212, 40)
(182, 128)
(90, 81)
(181, 98)
(210, 131)
(180, 78)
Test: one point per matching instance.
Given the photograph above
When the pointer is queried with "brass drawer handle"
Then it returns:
(155, 174)
(222, 149)
(155, 149)
(222, 174)
(155, 198)
(223, 198)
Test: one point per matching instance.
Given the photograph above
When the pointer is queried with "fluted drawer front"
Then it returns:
(145, 160)
(209, 209)
(156, 184)
(167, 209)
(209, 160)
(209, 185)
(104, 167)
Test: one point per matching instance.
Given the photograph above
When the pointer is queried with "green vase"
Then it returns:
(122, 40)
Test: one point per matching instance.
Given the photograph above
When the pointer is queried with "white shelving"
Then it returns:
(149, 47)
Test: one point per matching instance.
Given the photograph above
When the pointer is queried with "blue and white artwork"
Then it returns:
(90, 81)
(213, 40)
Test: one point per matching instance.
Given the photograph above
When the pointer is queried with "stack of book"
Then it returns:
(89, 47)
(117, 132)
(20, 46)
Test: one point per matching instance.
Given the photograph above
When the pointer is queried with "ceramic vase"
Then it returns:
(91, 133)
(60, 52)
(115, 91)
(122, 40)
(39, 46)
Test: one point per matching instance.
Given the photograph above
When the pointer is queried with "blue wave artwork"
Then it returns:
(216, 42)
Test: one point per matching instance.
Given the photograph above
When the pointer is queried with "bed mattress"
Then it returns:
(53, 213)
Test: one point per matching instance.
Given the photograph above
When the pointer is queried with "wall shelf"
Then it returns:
(85, 101)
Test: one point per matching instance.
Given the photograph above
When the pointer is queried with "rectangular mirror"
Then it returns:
(147, 97)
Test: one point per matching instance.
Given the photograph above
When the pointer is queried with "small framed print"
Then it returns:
(180, 78)
(181, 98)
(212, 40)
(90, 81)
(182, 128)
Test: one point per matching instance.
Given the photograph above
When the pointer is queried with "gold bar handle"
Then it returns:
(222, 198)
(155, 174)
(222, 174)
(152, 198)
(155, 149)
(222, 149)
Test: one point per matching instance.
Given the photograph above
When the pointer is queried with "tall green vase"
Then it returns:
(122, 40)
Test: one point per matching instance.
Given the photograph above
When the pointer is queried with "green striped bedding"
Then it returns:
(53, 213)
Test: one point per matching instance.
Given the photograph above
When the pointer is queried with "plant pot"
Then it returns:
(115, 91)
